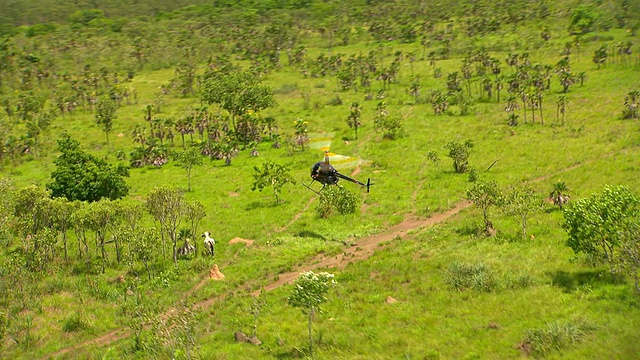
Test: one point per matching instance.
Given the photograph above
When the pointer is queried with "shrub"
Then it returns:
(553, 336)
(335, 101)
(519, 280)
(336, 199)
(463, 276)
(74, 322)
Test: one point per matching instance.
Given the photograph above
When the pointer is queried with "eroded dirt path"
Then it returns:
(362, 250)
(365, 246)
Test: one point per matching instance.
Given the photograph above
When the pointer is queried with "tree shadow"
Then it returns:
(260, 204)
(570, 281)
(468, 230)
(294, 353)
(310, 234)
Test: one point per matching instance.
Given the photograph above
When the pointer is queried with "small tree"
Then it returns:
(188, 159)
(390, 126)
(301, 137)
(237, 92)
(485, 194)
(308, 294)
(631, 102)
(433, 157)
(81, 176)
(559, 194)
(595, 224)
(105, 114)
(336, 199)
(167, 207)
(272, 174)
(600, 56)
(195, 212)
(353, 120)
(630, 252)
(459, 153)
(522, 202)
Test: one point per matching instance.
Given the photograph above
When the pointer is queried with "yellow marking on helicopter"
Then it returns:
(322, 141)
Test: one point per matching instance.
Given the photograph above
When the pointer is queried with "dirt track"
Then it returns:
(362, 250)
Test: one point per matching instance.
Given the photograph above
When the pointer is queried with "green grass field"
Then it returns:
(395, 304)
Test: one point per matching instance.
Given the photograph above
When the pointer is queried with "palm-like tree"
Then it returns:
(353, 120)
(558, 194)
(631, 103)
(561, 107)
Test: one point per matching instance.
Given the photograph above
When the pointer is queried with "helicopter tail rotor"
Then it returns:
(368, 184)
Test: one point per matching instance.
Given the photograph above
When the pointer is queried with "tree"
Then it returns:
(558, 194)
(105, 114)
(195, 212)
(336, 199)
(167, 207)
(600, 56)
(6, 206)
(630, 252)
(61, 213)
(301, 137)
(188, 159)
(31, 209)
(237, 92)
(583, 19)
(308, 294)
(485, 194)
(390, 126)
(272, 174)
(561, 107)
(102, 218)
(84, 177)
(142, 243)
(595, 224)
(631, 102)
(353, 120)
(522, 202)
(459, 153)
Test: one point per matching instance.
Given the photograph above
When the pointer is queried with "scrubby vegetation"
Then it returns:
(128, 130)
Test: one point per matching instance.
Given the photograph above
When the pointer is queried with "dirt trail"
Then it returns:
(365, 246)
(363, 249)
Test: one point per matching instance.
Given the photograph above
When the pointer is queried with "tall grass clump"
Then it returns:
(553, 336)
(74, 322)
(465, 276)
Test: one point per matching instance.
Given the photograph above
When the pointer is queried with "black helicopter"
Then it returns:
(324, 173)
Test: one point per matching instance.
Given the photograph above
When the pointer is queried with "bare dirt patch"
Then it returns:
(215, 273)
(239, 240)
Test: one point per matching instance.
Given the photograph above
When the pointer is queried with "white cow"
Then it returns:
(209, 243)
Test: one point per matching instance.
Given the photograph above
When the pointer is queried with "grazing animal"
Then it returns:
(186, 249)
(209, 243)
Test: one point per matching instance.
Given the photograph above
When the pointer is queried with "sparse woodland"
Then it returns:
(501, 137)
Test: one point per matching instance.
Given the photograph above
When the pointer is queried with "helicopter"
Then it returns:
(324, 173)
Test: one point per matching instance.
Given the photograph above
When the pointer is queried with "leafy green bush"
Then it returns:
(336, 200)
(553, 336)
(463, 276)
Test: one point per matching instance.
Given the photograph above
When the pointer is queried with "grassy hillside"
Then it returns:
(397, 259)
